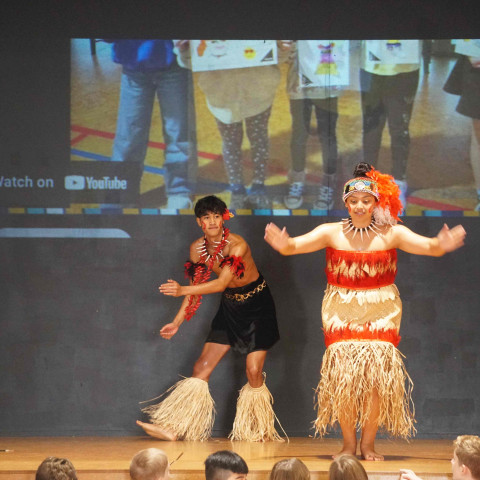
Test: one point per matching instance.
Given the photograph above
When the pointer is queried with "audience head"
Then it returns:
(466, 457)
(347, 467)
(54, 468)
(225, 465)
(290, 469)
(149, 464)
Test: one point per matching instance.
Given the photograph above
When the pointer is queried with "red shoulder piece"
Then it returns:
(236, 265)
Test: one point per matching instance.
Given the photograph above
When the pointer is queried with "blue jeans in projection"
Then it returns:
(137, 96)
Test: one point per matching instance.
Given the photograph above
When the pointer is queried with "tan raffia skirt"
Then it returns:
(352, 370)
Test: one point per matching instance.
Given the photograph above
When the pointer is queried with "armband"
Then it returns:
(194, 270)
(236, 265)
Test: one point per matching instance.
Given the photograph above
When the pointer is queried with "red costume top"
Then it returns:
(361, 302)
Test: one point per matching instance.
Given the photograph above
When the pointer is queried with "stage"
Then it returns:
(102, 458)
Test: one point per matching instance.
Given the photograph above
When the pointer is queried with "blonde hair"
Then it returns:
(149, 464)
(290, 469)
(55, 468)
(347, 467)
(467, 449)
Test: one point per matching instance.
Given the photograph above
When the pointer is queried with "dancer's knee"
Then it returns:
(254, 375)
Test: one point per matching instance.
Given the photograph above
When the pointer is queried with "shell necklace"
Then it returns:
(348, 226)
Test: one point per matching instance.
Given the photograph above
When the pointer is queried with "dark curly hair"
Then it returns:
(210, 204)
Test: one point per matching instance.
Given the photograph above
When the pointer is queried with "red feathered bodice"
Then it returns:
(361, 270)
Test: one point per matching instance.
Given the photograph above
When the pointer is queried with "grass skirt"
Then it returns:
(351, 371)
(188, 411)
(255, 418)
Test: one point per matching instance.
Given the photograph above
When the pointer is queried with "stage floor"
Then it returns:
(101, 458)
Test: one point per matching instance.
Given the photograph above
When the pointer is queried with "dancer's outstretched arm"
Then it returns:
(446, 241)
(318, 238)
(174, 289)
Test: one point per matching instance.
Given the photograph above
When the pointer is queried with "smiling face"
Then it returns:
(360, 205)
(211, 224)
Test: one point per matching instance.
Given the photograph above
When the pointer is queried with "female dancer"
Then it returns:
(363, 376)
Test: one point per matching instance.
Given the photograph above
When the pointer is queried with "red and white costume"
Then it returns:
(361, 315)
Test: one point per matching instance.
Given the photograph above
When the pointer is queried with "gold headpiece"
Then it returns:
(360, 185)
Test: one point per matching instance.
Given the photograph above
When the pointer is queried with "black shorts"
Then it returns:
(246, 322)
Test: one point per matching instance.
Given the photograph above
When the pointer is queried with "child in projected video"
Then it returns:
(149, 69)
(236, 97)
(388, 87)
(303, 101)
(464, 80)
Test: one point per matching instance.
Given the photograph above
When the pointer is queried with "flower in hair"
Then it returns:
(227, 215)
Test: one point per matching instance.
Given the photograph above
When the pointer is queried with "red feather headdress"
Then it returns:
(389, 205)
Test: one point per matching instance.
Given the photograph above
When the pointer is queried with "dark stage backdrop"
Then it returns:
(79, 346)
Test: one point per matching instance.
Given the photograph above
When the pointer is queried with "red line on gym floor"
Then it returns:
(160, 145)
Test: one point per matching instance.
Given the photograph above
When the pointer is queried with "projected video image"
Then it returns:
(272, 126)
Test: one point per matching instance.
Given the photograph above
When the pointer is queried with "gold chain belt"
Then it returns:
(241, 297)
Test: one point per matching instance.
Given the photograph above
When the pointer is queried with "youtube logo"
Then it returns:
(74, 182)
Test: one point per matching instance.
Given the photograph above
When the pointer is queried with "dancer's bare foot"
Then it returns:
(369, 454)
(157, 432)
(346, 450)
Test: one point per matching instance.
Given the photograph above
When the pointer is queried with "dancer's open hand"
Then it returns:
(451, 239)
(276, 238)
(168, 331)
(171, 288)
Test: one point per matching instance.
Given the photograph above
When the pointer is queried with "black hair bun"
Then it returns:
(361, 169)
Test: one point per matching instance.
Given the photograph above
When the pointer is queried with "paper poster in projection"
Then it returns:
(470, 47)
(392, 52)
(225, 54)
(323, 63)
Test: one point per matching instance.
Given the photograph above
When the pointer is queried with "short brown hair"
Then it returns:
(347, 467)
(290, 469)
(55, 468)
(149, 464)
(467, 449)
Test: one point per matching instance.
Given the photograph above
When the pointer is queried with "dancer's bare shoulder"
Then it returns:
(237, 245)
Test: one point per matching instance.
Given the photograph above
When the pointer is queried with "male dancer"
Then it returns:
(245, 322)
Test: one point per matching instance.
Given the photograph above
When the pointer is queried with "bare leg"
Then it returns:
(211, 355)
(349, 436)
(369, 431)
(255, 361)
